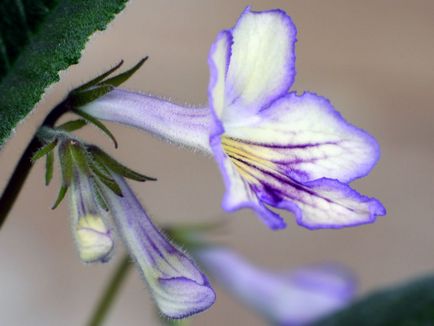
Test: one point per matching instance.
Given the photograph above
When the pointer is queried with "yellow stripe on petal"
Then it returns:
(248, 160)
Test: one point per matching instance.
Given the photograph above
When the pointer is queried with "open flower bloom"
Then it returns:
(295, 298)
(101, 197)
(274, 148)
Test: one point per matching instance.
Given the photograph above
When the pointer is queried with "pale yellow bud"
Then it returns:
(94, 239)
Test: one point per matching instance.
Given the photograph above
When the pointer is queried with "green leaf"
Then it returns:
(98, 124)
(410, 304)
(72, 125)
(104, 159)
(39, 38)
(49, 167)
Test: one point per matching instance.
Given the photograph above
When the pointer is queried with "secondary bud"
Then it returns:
(94, 239)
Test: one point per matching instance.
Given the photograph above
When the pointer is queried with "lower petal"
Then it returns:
(328, 203)
(323, 203)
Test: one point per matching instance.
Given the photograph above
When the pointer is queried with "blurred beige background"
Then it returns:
(373, 59)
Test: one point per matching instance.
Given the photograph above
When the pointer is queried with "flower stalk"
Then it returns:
(110, 293)
(25, 164)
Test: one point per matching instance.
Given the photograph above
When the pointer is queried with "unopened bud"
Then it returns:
(94, 239)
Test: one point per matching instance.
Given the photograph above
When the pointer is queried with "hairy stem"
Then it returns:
(22, 169)
(110, 293)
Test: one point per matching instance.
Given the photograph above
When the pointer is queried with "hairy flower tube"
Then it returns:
(103, 204)
(298, 297)
(179, 288)
(275, 148)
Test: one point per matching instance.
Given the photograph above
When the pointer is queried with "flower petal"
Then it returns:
(328, 203)
(177, 124)
(239, 193)
(218, 61)
(259, 66)
(295, 298)
(322, 203)
(307, 139)
(179, 288)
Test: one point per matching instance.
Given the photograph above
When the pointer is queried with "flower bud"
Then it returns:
(94, 240)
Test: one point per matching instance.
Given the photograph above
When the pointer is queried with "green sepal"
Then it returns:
(106, 160)
(99, 166)
(123, 77)
(111, 184)
(98, 124)
(60, 196)
(66, 166)
(99, 196)
(98, 79)
(105, 179)
(72, 125)
(79, 156)
(66, 163)
(44, 150)
(88, 95)
(49, 160)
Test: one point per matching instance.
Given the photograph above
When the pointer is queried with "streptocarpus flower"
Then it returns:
(101, 198)
(295, 298)
(273, 148)
(179, 288)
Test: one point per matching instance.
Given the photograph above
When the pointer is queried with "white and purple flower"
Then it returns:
(103, 205)
(298, 297)
(178, 287)
(274, 148)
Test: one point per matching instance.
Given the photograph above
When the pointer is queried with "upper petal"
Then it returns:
(218, 61)
(305, 138)
(256, 58)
